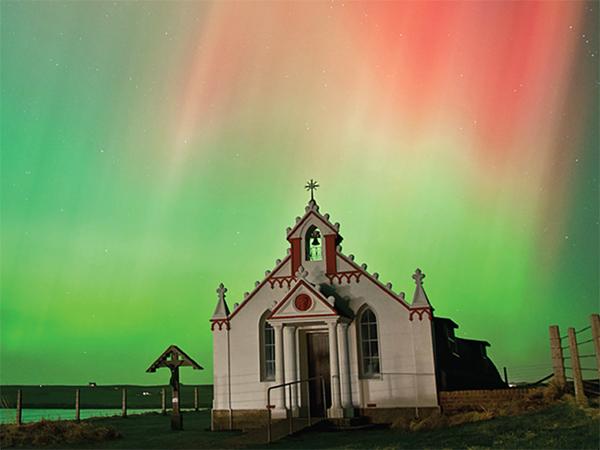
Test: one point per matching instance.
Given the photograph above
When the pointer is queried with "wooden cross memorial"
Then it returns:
(173, 358)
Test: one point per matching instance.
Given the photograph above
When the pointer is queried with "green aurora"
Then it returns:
(151, 151)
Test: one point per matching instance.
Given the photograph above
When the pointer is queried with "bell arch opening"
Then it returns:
(313, 242)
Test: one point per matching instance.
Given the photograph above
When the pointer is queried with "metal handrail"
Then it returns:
(291, 418)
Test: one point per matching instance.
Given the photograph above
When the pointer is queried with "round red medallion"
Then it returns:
(303, 302)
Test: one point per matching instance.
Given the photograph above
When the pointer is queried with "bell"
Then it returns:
(315, 241)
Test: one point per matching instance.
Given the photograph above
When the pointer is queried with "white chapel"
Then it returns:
(319, 316)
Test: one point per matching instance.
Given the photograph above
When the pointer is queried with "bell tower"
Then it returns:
(314, 239)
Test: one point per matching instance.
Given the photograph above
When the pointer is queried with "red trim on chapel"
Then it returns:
(330, 258)
(420, 312)
(303, 316)
(280, 281)
(347, 275)
(220, 323)
(257, 288)
(376, 282)
(293, 290)
(318, 216)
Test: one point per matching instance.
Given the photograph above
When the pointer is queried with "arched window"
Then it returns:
(313, 241)
(369, 344)
(267, 353)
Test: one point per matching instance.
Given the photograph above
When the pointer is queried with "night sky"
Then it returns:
(151, 151)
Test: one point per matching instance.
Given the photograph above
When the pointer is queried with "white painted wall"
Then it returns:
(406, 349)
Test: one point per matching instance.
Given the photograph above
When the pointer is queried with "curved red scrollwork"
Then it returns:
(280, 281)
(219, 323)
(347, 276)
(420, 312)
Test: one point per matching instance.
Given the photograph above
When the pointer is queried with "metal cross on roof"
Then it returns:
(311, 186)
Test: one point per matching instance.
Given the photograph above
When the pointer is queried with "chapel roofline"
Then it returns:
(387, 288)
(312, 209)
(258, 285)
(375, 279)
(420, 304)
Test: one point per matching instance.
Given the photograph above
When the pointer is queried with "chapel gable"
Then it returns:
(314, 240)
(304, 301)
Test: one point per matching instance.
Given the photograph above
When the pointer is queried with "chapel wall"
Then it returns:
(405, 348)
(219, 368)
(248, 392)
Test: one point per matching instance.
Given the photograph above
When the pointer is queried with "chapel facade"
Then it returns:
(319, 315)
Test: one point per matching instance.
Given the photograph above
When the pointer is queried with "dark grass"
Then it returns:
(153, 431)
(50, 433)
(562, 426)
(102, 396)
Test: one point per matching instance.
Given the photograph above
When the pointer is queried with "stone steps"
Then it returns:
(280, 428)
(350, 424)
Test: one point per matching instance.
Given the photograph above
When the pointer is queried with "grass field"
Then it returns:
(101, 396)
(563, 426)
(559, 427)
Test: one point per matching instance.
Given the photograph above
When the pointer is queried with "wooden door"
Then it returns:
(318, 365)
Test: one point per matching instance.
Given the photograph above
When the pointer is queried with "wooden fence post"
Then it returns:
(595, 319)
(77, 394)
(19, 407)
(576, 366)
(124, 403)
(558, 362)
(163, 399)
(196, 398)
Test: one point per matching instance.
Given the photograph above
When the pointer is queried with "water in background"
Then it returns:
(34, 415)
